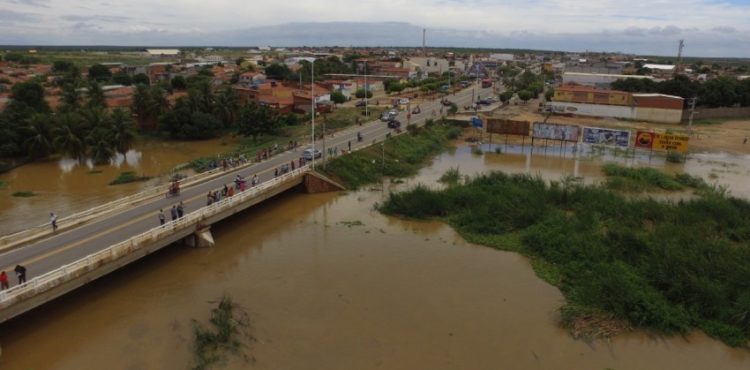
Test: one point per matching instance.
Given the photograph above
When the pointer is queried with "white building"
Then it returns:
(502, 57)
(600, 80)
(660, 67)
(163, 52)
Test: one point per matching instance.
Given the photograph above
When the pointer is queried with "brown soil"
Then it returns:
(726, 136)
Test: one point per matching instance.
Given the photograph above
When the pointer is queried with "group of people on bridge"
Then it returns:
(20, 274)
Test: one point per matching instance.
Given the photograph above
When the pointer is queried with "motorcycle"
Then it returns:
(174, 189)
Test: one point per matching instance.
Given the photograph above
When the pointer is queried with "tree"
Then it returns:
(506, 96)
(226, 106)
(255, 120)
(60, 66)
(277, 71)
(239, 61)
(549, 94)
(96, 96)
(30, 94)
(99, 73)
(100, 145)
(337, 97)
(525, 95)
(178, 83)
(71, 98)
(141, 78)
(360, 94)
(123, 130)
(38, 131)
(122, 78)
(69, 135)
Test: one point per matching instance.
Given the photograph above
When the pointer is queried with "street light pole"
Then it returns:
(312, 106)
(367, 115)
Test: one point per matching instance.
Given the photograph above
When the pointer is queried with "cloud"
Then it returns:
(101, 18)
(13, 17)
(37, 3)
(722, 29)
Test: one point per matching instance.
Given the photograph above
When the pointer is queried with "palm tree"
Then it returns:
(69, 135)
(123, 130)
(226, 106)
(38, 142)
(71, 98)
(101, 145)
(96, 96)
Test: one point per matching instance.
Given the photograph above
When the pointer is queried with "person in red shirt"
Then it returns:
(4, 281)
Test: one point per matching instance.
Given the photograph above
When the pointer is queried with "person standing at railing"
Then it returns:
(180, 210)
(230, 191)
(4, 281)
(53, 221)
(20, 274)
(162, 219)
(173, 212)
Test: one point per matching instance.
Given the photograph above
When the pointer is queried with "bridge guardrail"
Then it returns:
(75, 269)
(85, 215)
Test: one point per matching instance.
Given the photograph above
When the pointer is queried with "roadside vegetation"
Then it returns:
(24, 194)
(619, 261)
(128, 177)
(404, 155)
(228, 326)
(642, 179)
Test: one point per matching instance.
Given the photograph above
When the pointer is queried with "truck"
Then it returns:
(486, 82)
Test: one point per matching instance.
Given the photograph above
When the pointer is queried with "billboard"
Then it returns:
(508, 127)
(665, 142)
(555, 131)
(671, 142)
(605, 136)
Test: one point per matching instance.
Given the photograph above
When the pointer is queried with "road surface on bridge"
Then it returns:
(73, 244)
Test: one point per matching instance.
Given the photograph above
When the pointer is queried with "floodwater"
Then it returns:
(65, 187)
(325, 293)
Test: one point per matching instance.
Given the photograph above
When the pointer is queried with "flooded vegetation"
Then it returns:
(670, 267)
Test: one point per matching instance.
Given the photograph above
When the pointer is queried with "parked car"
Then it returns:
(308, 154)
(389, 115)
(446, 102)
(465, 83)
(403, 101)
(284, 168)
(360, 103)
(484, 102)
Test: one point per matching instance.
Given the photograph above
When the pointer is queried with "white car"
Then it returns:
(403, 101)
(308, 154)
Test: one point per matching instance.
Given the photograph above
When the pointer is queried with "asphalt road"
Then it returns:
(73, 244)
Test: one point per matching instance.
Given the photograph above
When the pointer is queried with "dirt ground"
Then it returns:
(726, 136)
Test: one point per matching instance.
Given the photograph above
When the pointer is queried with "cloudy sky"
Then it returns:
(709, 27)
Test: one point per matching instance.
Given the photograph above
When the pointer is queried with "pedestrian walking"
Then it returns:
(173, 212)
(4, 281)
(276, 172)
(335, 151)
(180, 210)
(230, 191)
(350, 145)
(53, 221)
(209, 198)
(162, 218)
(255, 179)
(20, 274)
(292, 163)
(225, 191)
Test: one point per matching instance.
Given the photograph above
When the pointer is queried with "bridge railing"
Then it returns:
(89, 263)
(82, 216)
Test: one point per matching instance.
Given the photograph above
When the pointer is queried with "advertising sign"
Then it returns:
(604, 136)
(671, 142)
(644, 139)
(664, 142)
(555, 131)
(508, 127)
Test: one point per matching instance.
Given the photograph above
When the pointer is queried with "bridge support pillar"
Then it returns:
(317, 183)
(202, 238)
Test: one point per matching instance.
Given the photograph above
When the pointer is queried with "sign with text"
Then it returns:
(671, 142)
(508, 127)
(645, 139)
(665, 142)
(605, 136)
(556, 131)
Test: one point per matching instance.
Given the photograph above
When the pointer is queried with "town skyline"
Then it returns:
(710, 28)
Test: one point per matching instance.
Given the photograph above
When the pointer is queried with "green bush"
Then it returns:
(128, 177)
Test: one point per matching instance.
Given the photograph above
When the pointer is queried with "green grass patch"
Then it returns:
(404, 155)
(128, 177)
(225, 333)
(345, 117)
(351, 224)
(620, 261)
(450, 177)
(3, 184)
(641, 179)
(95, 172)
(24, 194)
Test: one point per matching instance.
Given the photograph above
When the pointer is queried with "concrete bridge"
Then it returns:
(97, 241)
(194, 229)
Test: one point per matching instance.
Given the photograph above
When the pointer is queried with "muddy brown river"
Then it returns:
(324, 293)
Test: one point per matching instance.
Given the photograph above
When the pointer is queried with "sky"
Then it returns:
(709, 27)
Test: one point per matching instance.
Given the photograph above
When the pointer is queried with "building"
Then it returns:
(502, 57)
(600, 80)
(252, 78)
(588, 101)
(163, 53)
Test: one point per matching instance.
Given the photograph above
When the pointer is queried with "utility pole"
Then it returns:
(680, 47)
(312, 106)
(692, 113)
(424, 42)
